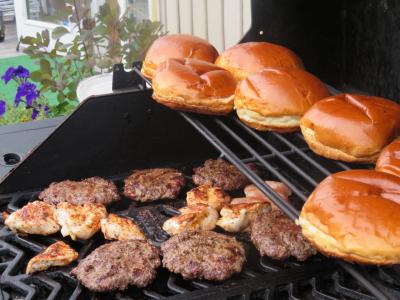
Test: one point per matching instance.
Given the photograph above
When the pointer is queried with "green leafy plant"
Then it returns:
(98, 42)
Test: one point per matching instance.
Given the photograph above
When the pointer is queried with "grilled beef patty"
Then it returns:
(116, 265)
(90, 190)
(219, 173)
(152, 184)
(203, 254)
(278, 237)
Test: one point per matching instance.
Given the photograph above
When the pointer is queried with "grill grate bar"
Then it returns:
(261, 160)
(289, 210)
(298, 151)
(310, 180)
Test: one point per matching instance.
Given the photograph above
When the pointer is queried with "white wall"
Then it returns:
(222, 22)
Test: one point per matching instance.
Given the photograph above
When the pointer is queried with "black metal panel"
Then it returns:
(353, 45)
(311, 28)
(373, 47)
(107, 135)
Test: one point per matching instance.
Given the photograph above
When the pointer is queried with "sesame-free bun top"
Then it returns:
(389, 159)
(245, 59)
(177, 46)
(194, 85)
(352, 128)
(276, 98)
(355, 215)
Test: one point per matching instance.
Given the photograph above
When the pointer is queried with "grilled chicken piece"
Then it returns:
(36, 217)
(56, 255)
(118, 228)
(195, 217)
(240, 213)
(279, 187)
(80, 221)
(207, 195)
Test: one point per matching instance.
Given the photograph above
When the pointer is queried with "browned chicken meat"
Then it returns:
(194, 217)
(207, 195)
(153, 184)
(118, 264)
(279, 187)
(203, 254)
(36, 217)
(219, 173)
(240, 213)
(80, 221)
(90, 190)
(118, 228)
(56, 255)
(278, 237)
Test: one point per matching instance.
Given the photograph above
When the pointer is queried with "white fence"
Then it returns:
(222, 22)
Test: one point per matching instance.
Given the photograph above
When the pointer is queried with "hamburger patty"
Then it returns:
(152, 184)
(276, 236)
(203, 254)
(90, 190)
(219, 173)
(116, 265)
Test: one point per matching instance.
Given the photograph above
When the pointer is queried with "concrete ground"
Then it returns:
(8, 47)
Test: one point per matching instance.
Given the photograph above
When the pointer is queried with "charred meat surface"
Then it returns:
(36, 217)
(90, 190)
(152, 184)
(278, 237)
(56, 255)
(240, 213)
(207, 195)
(203, 254)
(119, 228)
(118, 264)
(219, 173)
(80, 221)
(192, 218)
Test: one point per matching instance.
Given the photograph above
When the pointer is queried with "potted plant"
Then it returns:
(94, 45)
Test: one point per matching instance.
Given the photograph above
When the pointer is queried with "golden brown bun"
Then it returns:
(276, 98)
(194, 85)
(352, 128)
(245, 59)
(389, 159)
(177, 46)
(354, 215)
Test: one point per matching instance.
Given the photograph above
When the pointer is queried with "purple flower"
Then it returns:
(27, 90)
(21, 72)
(2, 107)
(8, 75)
(35, 113)
(46, 110)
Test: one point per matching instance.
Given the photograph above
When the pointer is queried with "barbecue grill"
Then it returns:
(342, 42)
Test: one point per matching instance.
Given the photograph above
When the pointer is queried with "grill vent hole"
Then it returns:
(11, 159)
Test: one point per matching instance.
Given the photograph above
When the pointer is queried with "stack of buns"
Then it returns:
(270, 90)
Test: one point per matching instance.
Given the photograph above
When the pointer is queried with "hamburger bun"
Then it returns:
(194, 85)
(177, 46)
(354, 215)
(389, 159)
(245, 59)
(277, 98)
(352, 128)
